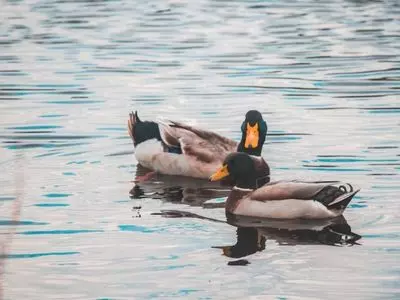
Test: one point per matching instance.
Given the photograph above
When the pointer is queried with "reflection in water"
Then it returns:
(253, 233)
(175, 189)
(168, 213)
(249, 241)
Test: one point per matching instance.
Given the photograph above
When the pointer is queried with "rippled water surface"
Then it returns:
(74, 225)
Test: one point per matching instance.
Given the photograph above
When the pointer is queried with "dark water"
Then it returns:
(326, 76)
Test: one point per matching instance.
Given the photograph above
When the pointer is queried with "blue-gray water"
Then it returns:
(326, 76)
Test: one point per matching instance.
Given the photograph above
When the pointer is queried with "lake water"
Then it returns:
(74, 225)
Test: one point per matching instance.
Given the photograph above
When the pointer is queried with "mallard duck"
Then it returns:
(174, 148)
(281, 199)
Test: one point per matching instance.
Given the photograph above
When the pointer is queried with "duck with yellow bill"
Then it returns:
(175, 148)
(281, 199)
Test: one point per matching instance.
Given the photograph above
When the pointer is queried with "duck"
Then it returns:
(174, 148)
(284, 199)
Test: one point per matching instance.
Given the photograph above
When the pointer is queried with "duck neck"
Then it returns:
(251, 151)
(249, 182)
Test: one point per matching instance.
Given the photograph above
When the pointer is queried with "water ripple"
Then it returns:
(325, 75)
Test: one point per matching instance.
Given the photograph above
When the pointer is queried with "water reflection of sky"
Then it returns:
(324, 75)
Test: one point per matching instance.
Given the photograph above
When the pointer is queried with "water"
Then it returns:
(325, 75)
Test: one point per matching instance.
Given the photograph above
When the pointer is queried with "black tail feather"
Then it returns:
(141, 131)
(137, 117)
(335, 197)
(340, 205)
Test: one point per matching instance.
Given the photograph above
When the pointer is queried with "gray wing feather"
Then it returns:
(226, 143)
(204, 145)
(282, 190)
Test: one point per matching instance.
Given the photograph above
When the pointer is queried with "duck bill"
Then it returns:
(252, 135)
(220, 173)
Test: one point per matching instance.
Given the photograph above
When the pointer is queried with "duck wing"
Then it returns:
(207, 135)
(282, 190)
(330, 194)
(205, 146)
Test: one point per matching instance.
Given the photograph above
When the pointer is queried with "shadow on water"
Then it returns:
(252, 233)
(176, 189)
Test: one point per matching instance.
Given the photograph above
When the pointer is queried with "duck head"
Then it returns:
(241, 170)
(254, 130)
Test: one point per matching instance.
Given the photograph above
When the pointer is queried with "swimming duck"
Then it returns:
(281, 199)
(174, 148)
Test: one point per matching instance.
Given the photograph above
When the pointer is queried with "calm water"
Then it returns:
(326, 76)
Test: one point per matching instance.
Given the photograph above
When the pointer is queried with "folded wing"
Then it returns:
(282, 190)
(205, 146)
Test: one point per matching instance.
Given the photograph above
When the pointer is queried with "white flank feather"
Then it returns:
(284, 209)
(150, 154)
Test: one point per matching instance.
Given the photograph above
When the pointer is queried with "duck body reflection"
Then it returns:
(253, 233)
(178, 189)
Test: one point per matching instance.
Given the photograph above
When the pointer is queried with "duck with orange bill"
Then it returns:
(281, 199)
(175, 148)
